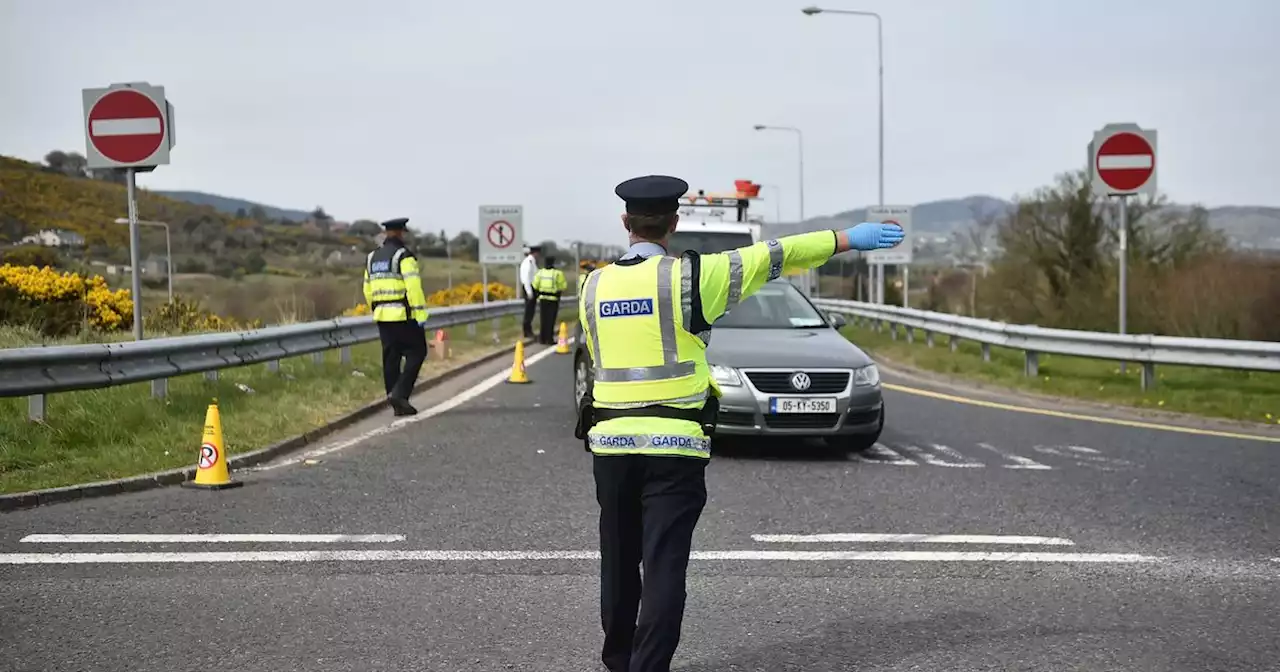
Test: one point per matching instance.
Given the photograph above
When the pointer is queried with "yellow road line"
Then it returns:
(1076, 416)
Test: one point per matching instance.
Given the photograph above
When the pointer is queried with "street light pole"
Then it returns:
(168, 252)
(810, 11)
(800, 143)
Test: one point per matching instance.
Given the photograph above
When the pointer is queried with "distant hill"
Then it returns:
(1249, 227)
(230, 206)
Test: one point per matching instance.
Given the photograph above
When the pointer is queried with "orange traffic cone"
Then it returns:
(518, 374)
(562, 346)
(442, 343)
(211, 466)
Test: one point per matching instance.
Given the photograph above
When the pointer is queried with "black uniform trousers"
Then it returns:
(649, 506)
(401, 340)
(530, 305)
(548, 309)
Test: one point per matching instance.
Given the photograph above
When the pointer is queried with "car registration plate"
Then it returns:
(802, 405)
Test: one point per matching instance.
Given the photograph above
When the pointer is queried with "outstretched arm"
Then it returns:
(728, 277)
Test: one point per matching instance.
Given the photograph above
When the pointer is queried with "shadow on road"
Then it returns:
(868, 644)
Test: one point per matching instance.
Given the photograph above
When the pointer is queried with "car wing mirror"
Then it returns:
(837, 320)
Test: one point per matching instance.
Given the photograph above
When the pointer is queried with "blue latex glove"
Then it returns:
(874, 236)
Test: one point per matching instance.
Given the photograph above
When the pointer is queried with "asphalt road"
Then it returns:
(1148, 550)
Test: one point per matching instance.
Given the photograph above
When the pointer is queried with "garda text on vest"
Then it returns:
(626, 308)
(382, 266)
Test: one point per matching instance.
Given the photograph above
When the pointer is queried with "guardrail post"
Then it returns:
(893, 331)
(318, 357)
(344, 354)
(1032, 367)
(211, 375)
(159, 388)
(954, 342)
(273, 365)
(928, 338)
(986, 352)
(496, 329)
(36, 407)
(1148, 375)
(911, 333)
(471, 329)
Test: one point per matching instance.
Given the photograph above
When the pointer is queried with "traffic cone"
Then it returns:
(211, 466)
(442, 343)
(518, 374)
(562, 347)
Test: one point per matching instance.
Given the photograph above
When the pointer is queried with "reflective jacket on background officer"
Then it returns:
(393, 291)
(648, 417)
(549, 282)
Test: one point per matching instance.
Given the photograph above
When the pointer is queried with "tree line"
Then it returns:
(1053, 260)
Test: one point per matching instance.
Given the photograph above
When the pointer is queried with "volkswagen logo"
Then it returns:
(800, 381)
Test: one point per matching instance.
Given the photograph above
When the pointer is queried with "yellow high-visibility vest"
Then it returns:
(647, 323)
(392, 284)
(549, 281)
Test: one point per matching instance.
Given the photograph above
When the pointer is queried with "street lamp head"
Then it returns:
(759, 127)
(812, 10)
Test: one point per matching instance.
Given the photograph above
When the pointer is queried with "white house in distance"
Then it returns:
(54, 238)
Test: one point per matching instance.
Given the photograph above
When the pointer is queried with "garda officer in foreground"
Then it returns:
(647, 321)
(393, 292)
(548, 283)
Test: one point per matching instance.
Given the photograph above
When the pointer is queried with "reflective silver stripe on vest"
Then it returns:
(686, 300)
(671, 367)
(775, 259)
(691, 399)
(648, 442)
(735, 280)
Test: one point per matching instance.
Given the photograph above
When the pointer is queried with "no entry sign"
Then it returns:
(500, 227)
(127, 126)
(1124, 160)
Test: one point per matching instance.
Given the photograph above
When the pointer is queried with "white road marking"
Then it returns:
(929, 458)
(1018, 461)
(1084, 457)
(216, 538)
(447, 556)
(960, 460)
(912, 539)
(461, 398)
(887, 456)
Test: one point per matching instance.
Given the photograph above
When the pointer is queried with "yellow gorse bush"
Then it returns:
(105, 309)
(457, 296)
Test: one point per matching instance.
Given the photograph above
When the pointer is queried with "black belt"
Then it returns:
(690, 414)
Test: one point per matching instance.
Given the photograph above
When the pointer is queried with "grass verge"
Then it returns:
(95, 435)
(1252, 396)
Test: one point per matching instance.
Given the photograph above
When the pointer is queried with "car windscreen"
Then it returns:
(776, 306)
(706, 242)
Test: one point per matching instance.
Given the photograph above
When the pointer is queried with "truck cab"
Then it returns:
(711, 223)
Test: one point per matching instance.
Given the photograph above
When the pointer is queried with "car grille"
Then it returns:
(779, 382)
(735, 418)
(802, 420)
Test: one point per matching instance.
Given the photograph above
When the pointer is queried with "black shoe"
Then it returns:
(402, 406)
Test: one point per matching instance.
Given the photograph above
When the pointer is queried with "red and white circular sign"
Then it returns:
(1125, 161)
(501, 234)
(126, 126)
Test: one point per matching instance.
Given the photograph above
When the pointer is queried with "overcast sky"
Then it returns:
(428, 109)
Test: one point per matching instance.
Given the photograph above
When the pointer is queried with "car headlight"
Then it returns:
(866, 376)
(725, 375)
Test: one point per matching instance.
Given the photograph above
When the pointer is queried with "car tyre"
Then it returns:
(581, 380)
(858, 443)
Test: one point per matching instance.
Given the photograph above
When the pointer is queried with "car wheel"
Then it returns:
(581, 380)
(858, 443)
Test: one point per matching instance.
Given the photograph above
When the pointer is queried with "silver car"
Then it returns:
(785, 371)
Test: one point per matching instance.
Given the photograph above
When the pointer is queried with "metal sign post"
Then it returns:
(1122, 163)
(129, 126)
